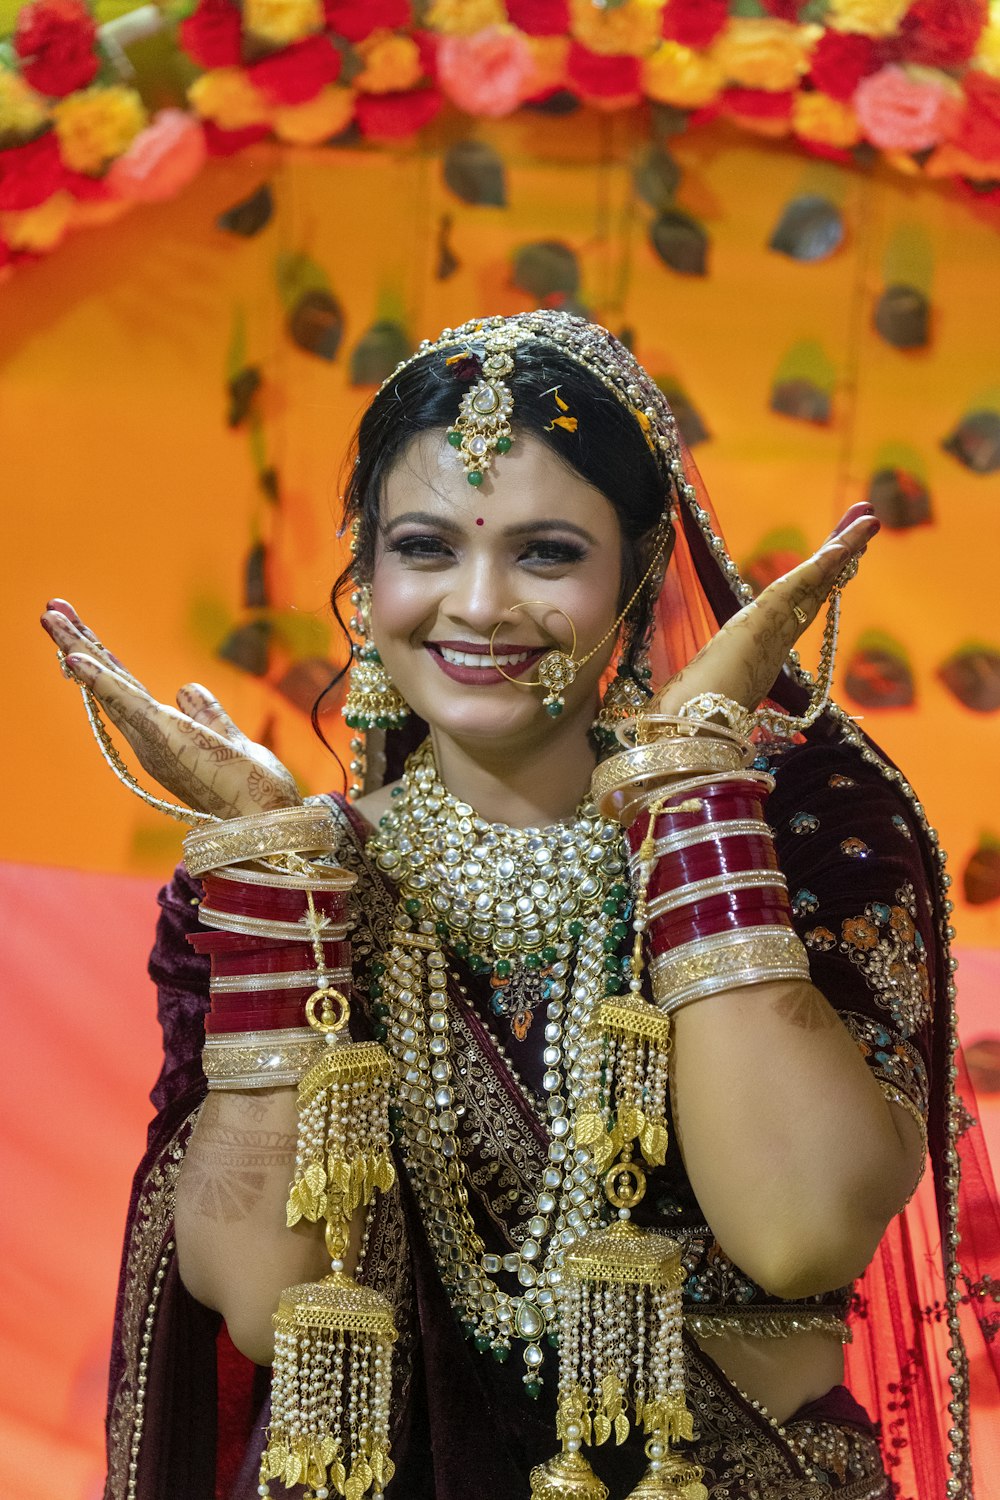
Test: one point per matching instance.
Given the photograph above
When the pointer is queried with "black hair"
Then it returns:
(607, 448)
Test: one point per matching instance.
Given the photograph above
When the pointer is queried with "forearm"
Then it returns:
(796, 1157)
(234, 1252)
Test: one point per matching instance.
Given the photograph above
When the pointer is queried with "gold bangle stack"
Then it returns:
(726, 961)
(260, 1059)
(307, 829)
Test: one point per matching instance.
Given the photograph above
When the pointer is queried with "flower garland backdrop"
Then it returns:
(86, 129)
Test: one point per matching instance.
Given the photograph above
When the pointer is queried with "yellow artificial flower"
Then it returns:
(391, 63)
(227, 96)
(317, 120)
(283, 21)
(951, 161)
(38, 228)
(987, 54)
(818, 117)
(463, 17)
(870, 17)
(22, 111)
(679, 75)
(97, 124)
(632, 28)
(764, 52)
(549, 57)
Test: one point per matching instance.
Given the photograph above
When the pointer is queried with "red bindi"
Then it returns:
(480, 521)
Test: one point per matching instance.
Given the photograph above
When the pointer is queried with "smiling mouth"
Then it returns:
(462, 657)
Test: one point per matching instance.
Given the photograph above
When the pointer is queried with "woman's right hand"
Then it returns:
(194, 751)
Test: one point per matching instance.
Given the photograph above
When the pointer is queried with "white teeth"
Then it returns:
(466, 659)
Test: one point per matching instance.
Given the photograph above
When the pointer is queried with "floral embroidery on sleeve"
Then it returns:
(898, 1067)
(804, 901)
(804, 822)
(855, 848)
(885, 945)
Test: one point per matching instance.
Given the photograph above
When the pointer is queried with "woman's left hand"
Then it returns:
(744, 658)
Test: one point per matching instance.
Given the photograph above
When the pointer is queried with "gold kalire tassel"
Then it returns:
(621, 1349)
(331, 1389)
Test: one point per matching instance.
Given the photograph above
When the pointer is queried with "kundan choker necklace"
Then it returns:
(550, 900)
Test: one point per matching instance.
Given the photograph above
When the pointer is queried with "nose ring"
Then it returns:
(556, 669)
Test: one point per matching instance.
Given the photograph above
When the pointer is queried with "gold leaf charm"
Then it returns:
(621, 1428)
(602, 1429)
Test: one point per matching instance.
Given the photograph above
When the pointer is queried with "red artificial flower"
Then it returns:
(427, 45)
(596, 76)
(55, 41)
(221, 142)
(840, 60)
(978, 130)
(85, 188)
(942, 33)
(694, 23)
(539, 17)
(356, 19)
(297, 73)
(211, 34)
(31, 173)
(757, 104)
(393, 117)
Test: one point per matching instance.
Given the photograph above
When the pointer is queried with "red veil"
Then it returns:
(929, 1304)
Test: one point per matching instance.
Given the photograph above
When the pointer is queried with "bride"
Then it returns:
(534, 567)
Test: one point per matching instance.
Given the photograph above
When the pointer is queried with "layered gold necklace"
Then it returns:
(550, 901)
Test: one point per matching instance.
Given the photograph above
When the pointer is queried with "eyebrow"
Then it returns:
(530, 528)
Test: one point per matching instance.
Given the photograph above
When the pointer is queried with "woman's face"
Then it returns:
(452, 561)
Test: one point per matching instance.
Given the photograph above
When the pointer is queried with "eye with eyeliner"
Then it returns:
(419, 548)
(544, 552)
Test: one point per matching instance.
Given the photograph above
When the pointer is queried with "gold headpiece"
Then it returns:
(483, 426)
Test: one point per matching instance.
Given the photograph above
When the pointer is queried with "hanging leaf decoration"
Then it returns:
(975, 442)
(680, 242)
(242, 388)
(316, 324)
(447, 261)
(981, 876)
(254, 577)
(802, 399)
(250, 215)
(546, 267)
(246, 647)
(982, 1058)
(776, 554)
(878, 674)
(299, 633)
(811, 228)
(900, 500)
(306, 680)
(687, 416)
(972, 674)
(315, 318)
(902, 317)
(560, 102)
(656, 177)
(474, 171)
(378, 352)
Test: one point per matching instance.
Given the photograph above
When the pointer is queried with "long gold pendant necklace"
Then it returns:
(552, 902)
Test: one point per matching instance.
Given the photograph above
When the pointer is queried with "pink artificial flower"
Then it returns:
(161, 160)
(485, 73)
(901, 109)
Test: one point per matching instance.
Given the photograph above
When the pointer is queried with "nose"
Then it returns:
(479, 596)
